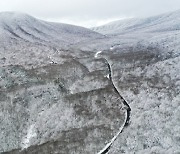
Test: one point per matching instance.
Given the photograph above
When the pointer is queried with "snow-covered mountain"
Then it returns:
(145, 58)
(23, 37)
(162, 31)
(50, 91)
(161, 23)
(24, 27)
(66, 89)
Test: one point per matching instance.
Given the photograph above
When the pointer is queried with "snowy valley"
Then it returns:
(67, 89)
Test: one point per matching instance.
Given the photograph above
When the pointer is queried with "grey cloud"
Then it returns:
(89, 10)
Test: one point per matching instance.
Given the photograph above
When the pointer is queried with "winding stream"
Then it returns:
(126, 107)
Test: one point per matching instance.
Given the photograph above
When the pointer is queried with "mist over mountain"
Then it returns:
(68, 89)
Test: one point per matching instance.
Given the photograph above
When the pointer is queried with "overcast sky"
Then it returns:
(89, 12)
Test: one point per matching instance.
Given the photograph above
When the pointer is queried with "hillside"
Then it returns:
(24, 37)
(145, 55)
(161, 23)
(66, 89)
(23, 27)
(51, 94)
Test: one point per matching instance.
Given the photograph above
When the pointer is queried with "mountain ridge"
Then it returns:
(166, 22)
(20, 25)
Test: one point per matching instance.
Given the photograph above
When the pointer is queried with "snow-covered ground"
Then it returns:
(23, 37)
(52, 75)
(30, 134)
(155, 123)
(149, 83)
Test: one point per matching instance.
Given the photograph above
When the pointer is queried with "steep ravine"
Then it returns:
(126, 107)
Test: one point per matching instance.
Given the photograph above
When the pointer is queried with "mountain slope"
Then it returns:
(23, 37)
(52, 95)
(145, 57)
(24, 27)
(63, 99)
(161, 23)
